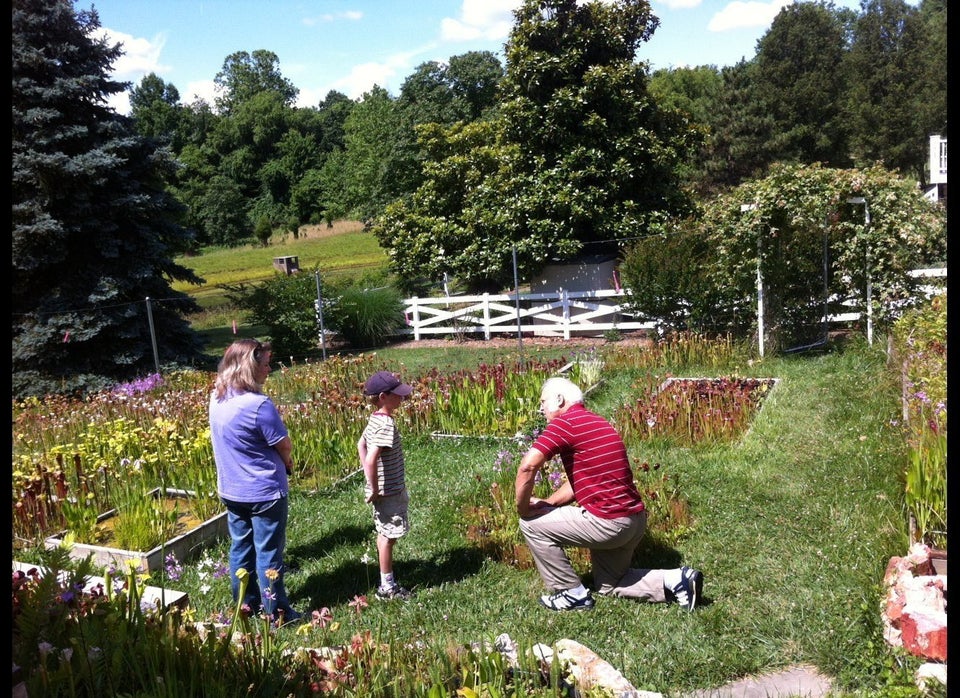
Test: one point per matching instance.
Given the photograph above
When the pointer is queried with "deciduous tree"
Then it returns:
(578, 154)
(245, 75)
(156, 111)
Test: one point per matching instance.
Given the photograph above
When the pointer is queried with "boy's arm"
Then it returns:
(368, 459)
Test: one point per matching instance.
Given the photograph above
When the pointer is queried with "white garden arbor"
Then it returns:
(810, 231)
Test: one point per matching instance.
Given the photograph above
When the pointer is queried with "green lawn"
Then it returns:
(793, 527)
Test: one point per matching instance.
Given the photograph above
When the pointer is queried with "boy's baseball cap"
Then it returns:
(385, 382)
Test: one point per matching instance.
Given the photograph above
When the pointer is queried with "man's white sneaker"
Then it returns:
(688, 590)
(564, 601)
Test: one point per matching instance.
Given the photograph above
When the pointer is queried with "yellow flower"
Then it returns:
(272, 575)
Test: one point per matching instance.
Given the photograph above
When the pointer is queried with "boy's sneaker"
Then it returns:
(563, 601)
(687, 592)
(394, 592)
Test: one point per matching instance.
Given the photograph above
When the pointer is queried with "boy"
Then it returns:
(381, 455)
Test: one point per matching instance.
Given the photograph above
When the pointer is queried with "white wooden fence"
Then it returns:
(559, 313)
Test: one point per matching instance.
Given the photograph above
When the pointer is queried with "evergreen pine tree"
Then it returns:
(94, 231)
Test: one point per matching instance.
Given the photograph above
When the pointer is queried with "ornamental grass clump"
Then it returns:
(586, 368)
(143, 522)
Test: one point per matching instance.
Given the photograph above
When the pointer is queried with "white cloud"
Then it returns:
(140, 57)
(202, 89)
(351, 15)
(364, 76)
(310, 97)
(742, 15)
(480, 19)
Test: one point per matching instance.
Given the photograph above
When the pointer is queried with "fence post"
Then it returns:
(153, 336)
(319, 309)
(760, 309)
(486, 316)
(866, 226)
(516, 289)
(416, 318)
(760, 324)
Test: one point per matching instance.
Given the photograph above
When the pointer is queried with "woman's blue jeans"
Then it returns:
(258, 533)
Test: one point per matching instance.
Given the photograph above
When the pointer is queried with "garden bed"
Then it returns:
(192, 533)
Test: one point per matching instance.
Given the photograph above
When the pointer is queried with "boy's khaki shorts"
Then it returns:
(390, 515)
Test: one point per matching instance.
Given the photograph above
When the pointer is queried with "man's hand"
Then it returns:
(537, 507)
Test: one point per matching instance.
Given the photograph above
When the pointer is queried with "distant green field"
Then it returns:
(346, 249)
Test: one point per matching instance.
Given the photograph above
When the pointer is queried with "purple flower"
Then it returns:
(139, 386)
(172, 566)
(504, 458)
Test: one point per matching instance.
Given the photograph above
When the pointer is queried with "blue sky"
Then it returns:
(352, 45)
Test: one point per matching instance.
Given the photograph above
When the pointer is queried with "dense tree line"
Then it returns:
(573, 146)
(827, 85)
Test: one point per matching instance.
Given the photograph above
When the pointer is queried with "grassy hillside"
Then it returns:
(345, 249)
